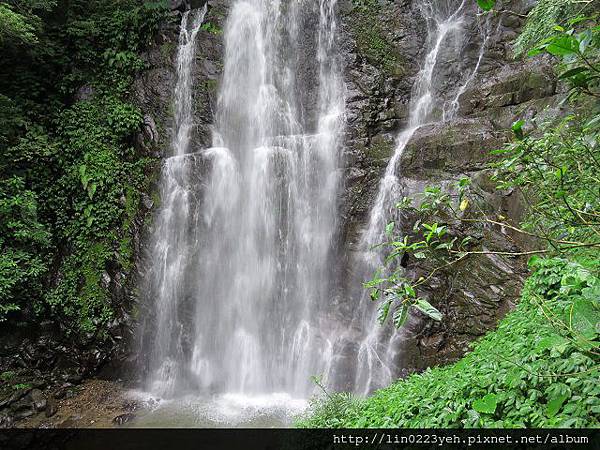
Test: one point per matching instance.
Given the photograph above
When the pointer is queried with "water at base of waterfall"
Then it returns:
(228, 410)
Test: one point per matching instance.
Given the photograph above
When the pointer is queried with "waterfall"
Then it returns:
(170, 245)
(239, 285)
(379, 346)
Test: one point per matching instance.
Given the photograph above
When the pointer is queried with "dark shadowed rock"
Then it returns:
(38, 399)
(51, 409)
(123, 419)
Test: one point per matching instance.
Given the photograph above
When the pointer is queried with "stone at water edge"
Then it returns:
(51, 409)
(123, 418)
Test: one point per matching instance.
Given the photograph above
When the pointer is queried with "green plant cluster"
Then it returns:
(540, 368)
(70, 176)
(542, 19)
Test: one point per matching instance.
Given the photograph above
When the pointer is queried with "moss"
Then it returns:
(211, 28)
(380, 150)
(371, 37)
(211, 85)
(167, 50)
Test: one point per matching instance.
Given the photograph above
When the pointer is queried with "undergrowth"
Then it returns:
(540, 368)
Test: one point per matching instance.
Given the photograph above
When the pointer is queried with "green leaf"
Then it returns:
(550, 342)
(486, 5)
(555, 404)
(400, 316)
(389, 228)
(563, 46)
(486, 405)
(572, 72)
(533, 261)
(585, 318)
(517, 128)
(383, 311)
(92, 190)
(425, 307)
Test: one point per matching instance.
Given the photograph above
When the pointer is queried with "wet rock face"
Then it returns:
(475, 294)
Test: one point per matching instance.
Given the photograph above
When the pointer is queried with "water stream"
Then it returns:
(243, 248)
(380, 346)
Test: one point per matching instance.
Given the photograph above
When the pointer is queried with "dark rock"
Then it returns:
(123, 418)
(64, 391)
(22, 409)
(6, 420)
(38, 399)
(179, 5)
(51, 409)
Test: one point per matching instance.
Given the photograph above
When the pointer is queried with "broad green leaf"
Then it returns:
(486, 5)
(554, 405)
(585, 318)
(533, 261)
(425, 307)
(400, 316)
(563, 46)
(383, 311)
(517, 128)
(92, 190)
(486, 405)
(389, 228)
(550, 342)
(572, 72)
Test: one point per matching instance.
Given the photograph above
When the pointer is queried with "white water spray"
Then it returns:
(242, 248)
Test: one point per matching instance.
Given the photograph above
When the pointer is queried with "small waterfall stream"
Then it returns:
(380, 345)
(171, 245)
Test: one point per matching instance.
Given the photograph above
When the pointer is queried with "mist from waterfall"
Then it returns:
(240, 280)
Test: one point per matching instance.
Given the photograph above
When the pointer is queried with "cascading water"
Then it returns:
(380, 345)
(240, 264)
(171, 244)
(241, 282)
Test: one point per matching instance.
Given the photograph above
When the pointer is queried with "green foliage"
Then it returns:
(15, 27)
(211, 28)
(23, 243)
(546, 167)
(562, 191)
(540, 368)
(70, 180)
(531, 372)
(578, 48)
(7, 375)
(486, 5)
(542, 19)
(392, 286)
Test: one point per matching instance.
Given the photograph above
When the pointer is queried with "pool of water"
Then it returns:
(220, 411)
